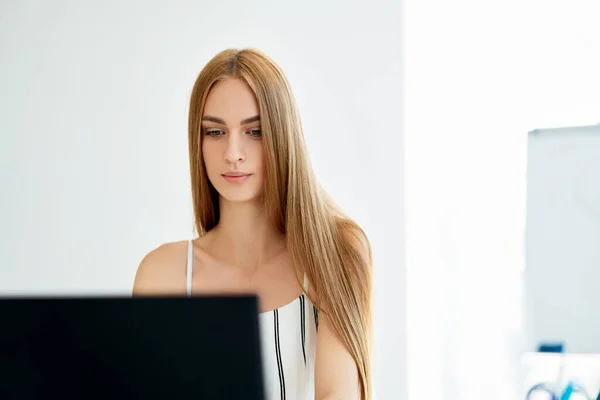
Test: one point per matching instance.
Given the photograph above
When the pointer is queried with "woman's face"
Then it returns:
(231, 141)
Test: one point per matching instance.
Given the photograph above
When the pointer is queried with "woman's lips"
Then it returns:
(236, 178)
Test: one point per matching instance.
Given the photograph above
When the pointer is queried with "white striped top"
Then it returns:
(289, 343)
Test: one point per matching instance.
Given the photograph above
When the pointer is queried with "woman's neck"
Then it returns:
(245, 236)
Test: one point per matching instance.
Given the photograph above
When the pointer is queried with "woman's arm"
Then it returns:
(336, 375)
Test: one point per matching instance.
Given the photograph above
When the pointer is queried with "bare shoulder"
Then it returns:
(162, 271)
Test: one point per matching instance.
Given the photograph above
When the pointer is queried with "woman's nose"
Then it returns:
(234, 152)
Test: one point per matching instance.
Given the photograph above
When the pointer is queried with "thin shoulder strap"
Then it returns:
(189, 269)
(305, 283)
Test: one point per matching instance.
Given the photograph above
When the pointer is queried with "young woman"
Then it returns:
(266, 227)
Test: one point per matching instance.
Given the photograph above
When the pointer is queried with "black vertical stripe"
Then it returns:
(316, 313)
(278, 354)
(302, 327)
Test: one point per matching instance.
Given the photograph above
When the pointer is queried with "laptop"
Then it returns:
(132, 348)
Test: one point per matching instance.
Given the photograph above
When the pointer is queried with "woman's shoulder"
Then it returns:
(162, 270)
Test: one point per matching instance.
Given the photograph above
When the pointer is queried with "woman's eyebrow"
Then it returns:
(222, 122)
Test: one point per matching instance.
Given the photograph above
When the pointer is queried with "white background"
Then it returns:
(479, 76)
(93, 121)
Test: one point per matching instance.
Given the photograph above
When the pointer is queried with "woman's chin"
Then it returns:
(240, 198)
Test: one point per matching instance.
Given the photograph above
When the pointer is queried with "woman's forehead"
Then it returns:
(231, 101)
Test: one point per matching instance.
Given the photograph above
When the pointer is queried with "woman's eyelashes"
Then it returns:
(256, 132)
(213, 132)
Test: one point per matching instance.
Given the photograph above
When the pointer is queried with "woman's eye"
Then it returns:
(214, 132)
(255, 132)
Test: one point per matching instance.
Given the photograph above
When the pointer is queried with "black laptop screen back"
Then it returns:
(141, 348)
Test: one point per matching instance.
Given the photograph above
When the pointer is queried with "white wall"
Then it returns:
(479, 76)
(93, 121)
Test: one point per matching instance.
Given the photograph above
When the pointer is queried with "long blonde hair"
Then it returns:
(322, 242)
